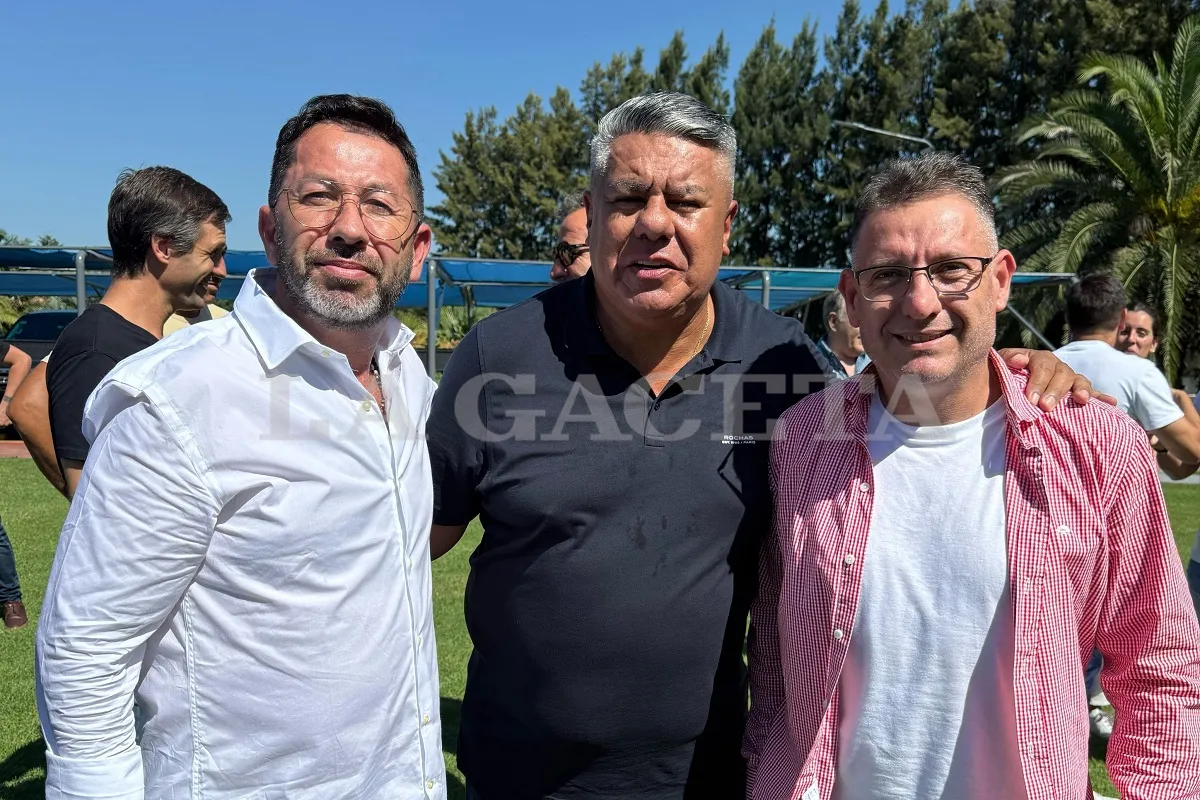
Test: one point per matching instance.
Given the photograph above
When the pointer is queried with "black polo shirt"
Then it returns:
(607, 601)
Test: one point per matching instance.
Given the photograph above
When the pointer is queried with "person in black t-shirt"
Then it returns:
(167, 233)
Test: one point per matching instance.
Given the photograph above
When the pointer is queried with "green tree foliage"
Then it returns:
(964, 75)
(782, 123)
(502, 180)
(12, 240)
(1122, 162)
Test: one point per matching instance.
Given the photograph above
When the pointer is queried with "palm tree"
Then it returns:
(1116, 184)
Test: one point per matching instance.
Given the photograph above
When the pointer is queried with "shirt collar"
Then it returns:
(835, 363)
(276, 336)
(581, 329)
(1020, 413)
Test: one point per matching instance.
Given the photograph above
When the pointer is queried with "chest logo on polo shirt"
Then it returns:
(738, 438)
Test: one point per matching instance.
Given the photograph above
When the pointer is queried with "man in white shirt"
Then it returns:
(240, 604)
(1094, 310)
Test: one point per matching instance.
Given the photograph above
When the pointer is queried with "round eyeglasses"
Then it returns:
(954, 276)
(316, 203)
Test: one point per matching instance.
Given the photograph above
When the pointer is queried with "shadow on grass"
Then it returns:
(451, 714)
(14, 785)
(32, 757)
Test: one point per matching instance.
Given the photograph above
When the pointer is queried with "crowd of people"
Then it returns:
(928, 538)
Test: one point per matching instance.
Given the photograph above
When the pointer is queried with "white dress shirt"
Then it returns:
(240, 604)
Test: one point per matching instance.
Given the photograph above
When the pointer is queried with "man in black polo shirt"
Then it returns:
(612, 434)
(167, 233)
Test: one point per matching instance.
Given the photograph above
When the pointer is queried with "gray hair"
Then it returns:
(569, 203)
(669, 113)
(930, 174)
(834, 303)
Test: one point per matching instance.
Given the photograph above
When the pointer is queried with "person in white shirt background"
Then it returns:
(241, 601)
(1096, 317)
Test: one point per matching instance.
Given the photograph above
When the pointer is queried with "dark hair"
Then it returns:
(359, 114)
(158, 201)
(1149, 311)
(1095, 303)
(930, 174)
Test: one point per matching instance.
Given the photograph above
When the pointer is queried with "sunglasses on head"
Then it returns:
(566, 254)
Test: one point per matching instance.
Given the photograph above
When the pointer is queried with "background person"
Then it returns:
(841, 345)
(1094, 312)
(181, 319)
(1139, 331)
(31, 405)
(11, 606)
(572, 258)
(167, 233)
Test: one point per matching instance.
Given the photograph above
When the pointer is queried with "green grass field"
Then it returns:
(33, 512)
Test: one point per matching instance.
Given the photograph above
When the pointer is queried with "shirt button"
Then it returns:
(864, 487)
(429, 785)
(1062, 530)
(324, 352)
(837, 634)
(366, 405)
(849, 559)
(410, 565)
(425, 720)
(419, 641)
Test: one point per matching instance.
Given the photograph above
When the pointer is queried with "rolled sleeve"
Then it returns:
(117, 777)
(135, 536)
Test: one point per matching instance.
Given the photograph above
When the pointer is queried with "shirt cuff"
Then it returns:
(116, 777)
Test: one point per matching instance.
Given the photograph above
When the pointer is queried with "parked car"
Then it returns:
(35, 333)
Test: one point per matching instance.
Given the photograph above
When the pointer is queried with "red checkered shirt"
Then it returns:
(1091, 562)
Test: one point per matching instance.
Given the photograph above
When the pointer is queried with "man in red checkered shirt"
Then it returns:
(945, 554)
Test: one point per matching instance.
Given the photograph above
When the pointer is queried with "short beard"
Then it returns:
(339, 311)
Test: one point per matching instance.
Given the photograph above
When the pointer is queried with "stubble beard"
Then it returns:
(344, 310)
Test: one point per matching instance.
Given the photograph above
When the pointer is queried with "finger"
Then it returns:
(1016, 357)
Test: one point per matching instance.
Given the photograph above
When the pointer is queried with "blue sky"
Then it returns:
(92, 88)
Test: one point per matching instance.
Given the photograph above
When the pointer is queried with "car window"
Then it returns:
(44, 327)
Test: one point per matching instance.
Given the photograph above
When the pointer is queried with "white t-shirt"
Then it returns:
(927, 699)
(1141, 389)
